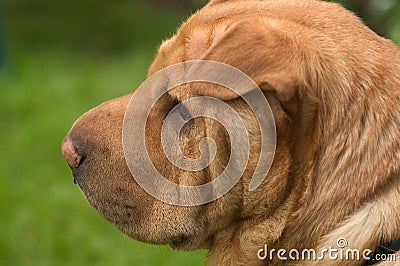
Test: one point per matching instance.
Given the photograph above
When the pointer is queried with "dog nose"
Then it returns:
(70, 153)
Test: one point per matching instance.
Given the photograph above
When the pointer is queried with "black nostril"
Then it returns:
(74, 159)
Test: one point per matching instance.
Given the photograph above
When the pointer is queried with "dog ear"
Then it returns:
(266, 54)
(277, 64)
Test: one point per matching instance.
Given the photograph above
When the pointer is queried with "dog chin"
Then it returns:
(188, 243)
(181, 242)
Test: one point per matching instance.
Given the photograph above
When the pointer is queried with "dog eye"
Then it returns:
(184, 112)
(179, 118)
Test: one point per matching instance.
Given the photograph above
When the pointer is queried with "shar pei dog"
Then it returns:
(321, 186)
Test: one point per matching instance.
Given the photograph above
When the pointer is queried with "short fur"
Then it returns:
(334, 88)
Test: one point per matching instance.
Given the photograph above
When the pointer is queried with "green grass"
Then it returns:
(44, 219)
(65, 58)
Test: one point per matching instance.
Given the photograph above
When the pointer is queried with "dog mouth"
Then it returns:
(78, 173)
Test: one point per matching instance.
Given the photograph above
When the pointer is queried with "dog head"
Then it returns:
(293, 64)
(94, 147)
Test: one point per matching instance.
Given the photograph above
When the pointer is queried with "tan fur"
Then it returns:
(334, 88)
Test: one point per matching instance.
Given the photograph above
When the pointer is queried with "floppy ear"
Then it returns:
(265, 53)
(272, 58)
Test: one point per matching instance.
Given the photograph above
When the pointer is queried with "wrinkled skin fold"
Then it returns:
(334, 89)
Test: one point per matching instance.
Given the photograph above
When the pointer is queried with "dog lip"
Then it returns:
(77, 172)
(75, 176)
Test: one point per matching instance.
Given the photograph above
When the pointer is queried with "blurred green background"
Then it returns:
(57, 60)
